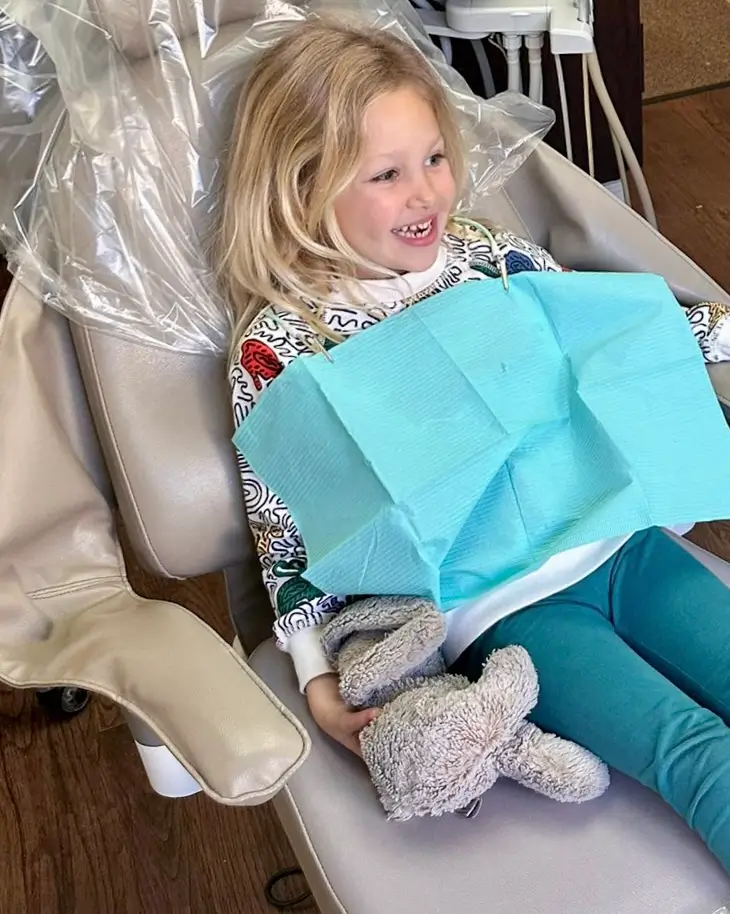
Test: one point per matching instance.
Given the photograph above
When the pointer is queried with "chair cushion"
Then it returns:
(626, 853)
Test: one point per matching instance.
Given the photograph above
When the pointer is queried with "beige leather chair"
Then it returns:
(90, 422)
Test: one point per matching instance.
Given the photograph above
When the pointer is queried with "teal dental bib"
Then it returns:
(461, 443)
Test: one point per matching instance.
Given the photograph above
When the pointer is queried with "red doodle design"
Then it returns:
(260, 362)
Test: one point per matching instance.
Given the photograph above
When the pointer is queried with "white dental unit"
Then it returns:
(521, 27)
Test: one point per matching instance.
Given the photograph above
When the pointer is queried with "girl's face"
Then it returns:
(395, 210)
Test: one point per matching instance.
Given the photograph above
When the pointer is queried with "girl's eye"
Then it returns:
(388, 175)
(436, 159)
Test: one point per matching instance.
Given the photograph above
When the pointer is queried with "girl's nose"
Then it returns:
(422, 192)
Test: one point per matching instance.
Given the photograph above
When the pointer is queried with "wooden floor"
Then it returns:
(687, 165)
(82, 833)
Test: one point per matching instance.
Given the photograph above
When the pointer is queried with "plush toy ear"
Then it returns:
(378, 641)
(374, 615)
(508, 688)
(553, 766)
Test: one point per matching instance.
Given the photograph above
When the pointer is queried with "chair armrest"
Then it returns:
(172, 671)
(67, 613)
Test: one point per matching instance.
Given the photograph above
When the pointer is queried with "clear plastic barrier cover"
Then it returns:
(113, 117)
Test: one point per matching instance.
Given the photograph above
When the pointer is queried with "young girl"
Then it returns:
(344, 170)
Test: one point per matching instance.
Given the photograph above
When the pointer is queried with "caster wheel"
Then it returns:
(67, 701)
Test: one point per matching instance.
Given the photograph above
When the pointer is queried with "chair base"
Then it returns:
(166, 775)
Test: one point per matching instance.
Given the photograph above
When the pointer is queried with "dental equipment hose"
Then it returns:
(617, 129)
(587, 117)
(564, 106)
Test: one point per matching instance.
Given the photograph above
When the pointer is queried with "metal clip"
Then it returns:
(503, 272)
(497, 255)
(321, 349)
(471, 810)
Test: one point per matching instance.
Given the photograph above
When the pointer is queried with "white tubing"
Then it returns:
(534, 43)
(564, 107)
(587, 116)
(614, 122)
(512, 46)
(446, 49)
(444, 41)
(480, 53)
(621, 169)
(536, 82)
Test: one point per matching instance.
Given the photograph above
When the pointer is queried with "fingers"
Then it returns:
(357, 721)
(353, 744)
(360, 719)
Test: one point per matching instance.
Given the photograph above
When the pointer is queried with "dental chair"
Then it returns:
(93, 423)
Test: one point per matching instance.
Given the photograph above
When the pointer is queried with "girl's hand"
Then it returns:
(333, 715)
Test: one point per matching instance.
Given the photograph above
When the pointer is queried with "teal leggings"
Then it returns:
(634, 664)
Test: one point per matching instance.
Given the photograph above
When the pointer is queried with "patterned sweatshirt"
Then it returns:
(276, 338)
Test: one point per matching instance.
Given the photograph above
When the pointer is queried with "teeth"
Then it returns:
(415, 230)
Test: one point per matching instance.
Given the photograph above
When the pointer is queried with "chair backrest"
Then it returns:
(139, 26)
(30, 107)
(164, 418)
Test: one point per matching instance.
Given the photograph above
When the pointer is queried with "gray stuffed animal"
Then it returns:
(440, 741)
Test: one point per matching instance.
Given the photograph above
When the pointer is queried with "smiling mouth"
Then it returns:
(416, 229)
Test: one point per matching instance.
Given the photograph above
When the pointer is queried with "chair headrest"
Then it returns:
(138, 27)
(129, 190)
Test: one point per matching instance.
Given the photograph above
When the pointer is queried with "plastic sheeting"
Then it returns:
(30, 109)
(113, 116)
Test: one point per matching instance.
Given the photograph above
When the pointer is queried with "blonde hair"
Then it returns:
(296, 145)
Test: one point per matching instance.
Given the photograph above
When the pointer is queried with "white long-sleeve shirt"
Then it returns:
(276, 338)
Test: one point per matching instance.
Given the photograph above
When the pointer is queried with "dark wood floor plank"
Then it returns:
(687, 165)
(81, 832)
